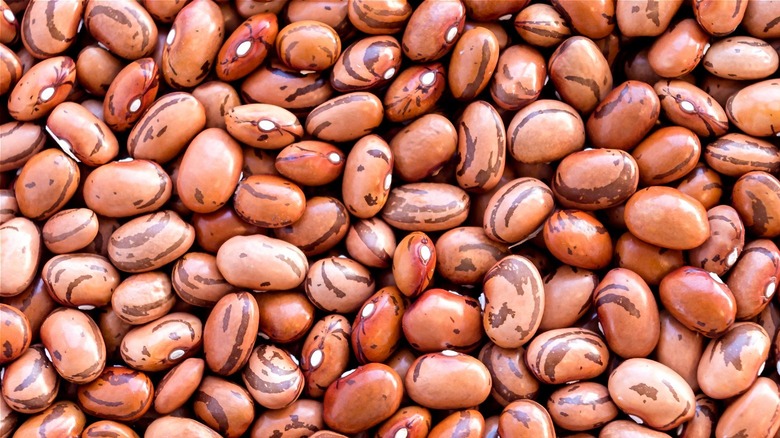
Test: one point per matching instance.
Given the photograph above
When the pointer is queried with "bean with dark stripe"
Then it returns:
(375, 386)
(9, 26)
(178, 385)
(261, 263)
(703, 184)
(474, 59)
(761, 20)
(230, 333)
(168, 426)
(324, 224)
(16, 334)
(161, 344)
(410, 421)
(414, 92)
(287, 316)
(753, 413)
(310, 163)
(519, 77)
(756, 196)
(541, 25)
(724, 246)
(159, 134)
(44, 86)
(567, 355)
(679, 49)
(113, 331)
(699, 299)
(149, 242)
(753, 109)
(272, 377)
(581, 406)
(689, 106)
(650, 19)
(481, 151)
(196, 280)
(514, 301)
(263, 126)
(596, 179)
(127, 188)
(367, 177)
(367, 64)
(755, 277)
(441, 319)
(77, 362)
(108, 429)
(593, 20)
(269, 201)
(308, 46)
(338, 284)
(218, 98)
(433, 29)
(192, 44)
(465, 254)
(518, 210)
(46, 183)
(371, 242)
(132, 91)
(70, 230)
(737, 154)
(334, 13)
(143, 297)
(525, 418)
(509, 373)
(382, 17)
(652, 393)
(568, 293)
(667, 155)
(625, 303)
(124, 27)
(741, 58)
(63, 418)
(224, 406)
(247, 47)
(80, 280)
(424, 147)
(21, 243)
(325, 353)
(50, 29)
(414, 263)
(21, 141)
(624, 117)
(303, 417)
(680, 348)
(119, 393)
(277, 84)
(78, 132)
(468, 423)
(430, 377)
(346, 117)
(580, 73)
(545, 131)
(35, 302)
(426, 207)
(578, 239)
(650, 262)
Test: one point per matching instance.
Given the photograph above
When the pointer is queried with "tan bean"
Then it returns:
(668, 218)
(378, 326)
(509, 374)
(426, 207)
(21, 242)
(46, 183)
(224, 406)
(679, 348)
(737, 154)
(689, 106)
(230, 333)
(703, 184)
(431, 136)
(519, 77)
(178, 384)
(272, 377)
(481, 147)
(441, 319)
(595, 179)
(512, 421)
(578, 239)
(430, 382)
(242, 259)
(63, 418)
(96, 68)
(755, 195)
(529, 195)
(130, 94)
(149, 242)
(545, 131)
(143, 298)
(127, 188)
(339, 285)
(752, 413)
(367, 64)
(77, 362)
(465, 254)
(414, 91)
(753, 109)
(371, 242)
(581, 406)
(541, 25)
(699, 299)
(277, 84)
(467, 423)
(624, 117)
(367, 176)
(567, 355)
(80, 133)
(324, 224)
(755, 277)
(474, 59)
(385, 17)
(432, 30)
(70, 230)
(666, 155)
(310, 163)
(731, 363)
(283, 421)
(218, 98)
(108, 428)
(168, 426)
(80, 280)
(724, 246)
(204, 189)
(21, 141)
(263, 126)
(125, 27)
(192, 44)
(308, 45)
(719, 18)
(17, 334)
(247, 47)
(325, 353)
(414, 263)
(414, 420)
(679, 50)
(119, 393)
(568, 295)
(163, 343)
(346, 117)
(46, 85)
(580, 73)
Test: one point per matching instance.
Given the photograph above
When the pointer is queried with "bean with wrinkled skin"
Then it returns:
(247, 47)
(666, 217)
(467, 424)
(151, 139)
(324, 224)
(755, 196)
(433, 29)
(162, 343)
(581, 406)
(371, 242)
(125, 28)
(339, 285)
(545, 131)
(149, 242)
(346, 117)
(737, 154)
(429, 382)
(755, 108)
(178, 384)
(325, 353)
(423, 147)
(224, 406)
(700, 300)
(378, 326)
(80, 280)
(724, 246)
(595, 179)
(46, 183)
(21, 242)
(541, 25)
(75, 344)
(367, 177)
(310, 163)
(754, 278)
(367, 64)
(168, 426)
(753, 413)
(741, 58)
(242, 258)
(624, 117)
(130, 94)
(63, 418)
(96, 69)
(70, 230)
(519, 77)
(689, 106)
(143, 298)
(414, 262)
(440, 319)
(525, 419)
(578, 239)
(290, 88)
(263, 126)
(272, 377)
(414, 421)
(218, 98)
(580, 73)
(465, 254)
(414, 91)
(666, 155)
(301, 417)
(703, 184)
(286, 316)
(510, 377)
(80, 133)
(566, 355)
(17, 334)
(21, 141)
(426, 207)
(119, 393)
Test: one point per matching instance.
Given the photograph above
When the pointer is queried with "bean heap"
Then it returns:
(390, 218)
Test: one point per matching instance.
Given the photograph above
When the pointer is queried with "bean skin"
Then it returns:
(247, 47)
(272, 377)
(234, 317)
(119, 394)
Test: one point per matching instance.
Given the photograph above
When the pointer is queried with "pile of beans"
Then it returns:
(390, 218)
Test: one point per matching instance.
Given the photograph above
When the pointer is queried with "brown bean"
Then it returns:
(474, 59)
(127, 188)
(70, 230)
(35, 302)
(325, 353)
(754, 278)
(441, 319)
(63, 418)
(21, 141)
(719, 18)
(432, 30)
(46, 183)
(46, 85)
(77, 362)
(21, 242)
(667, 155)
(755, 195)
(414, 421)
(568, 295)
(119, 393)
(334, 13)
(529, 195)
(545, 131)
(272, 377)
(80, 280)
(414, 91)
(727, 238)
(130, 94)
(525, 419)
(113, 331)
(741, 58)
(581, 406)
(367, 64)
(204, 189)
(371, 242)
(339, 285)
(151, 139)
(624, 117)
(149, 242)
(286, 316)
(346, 117)
(567, 355)
(378, 328)
(737, 154)
(414, 263)
(423, 147)
(10, 69)
(519, 77)
(759, 20)
(698, 299)
(301, 417)
(324, 224)
(163, 343)
(178, 385)
(510, 377)
(689, 106)
(578, 239)
(367, 176)
(624, 302)
(17, 334)
(467, 423)
(627, 428)
(143, 298)
(169, 426)
(107, 428)
(429, 383)
(481, 147)
(80, 133)
(652, 393)
(247, 47)
(580, 73)
(595, 179)
(465, 254)
(224, 406)
(263, 126)
(192, 44)
(96, 69)
(753, 109)
(679, 50)
(666, 217)
(731, 363)
(541, 25)
(426, 207)
(379, 17)
(753, 413)
(218, 98)
(703, 184)
(277, 84)
(308, 45)
(125, 28)
(242, 258)
(649, 261)
(214, 229)
(310, 163)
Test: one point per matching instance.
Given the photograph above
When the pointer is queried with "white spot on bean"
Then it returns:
(505, 17)
(572, 382)
(546, 80)
(307, 72)
(778, 367)
(81, 24)
(389, 73)
(761, 369)
(732, 258)
(637, 419)
(334, 158)
(86, 307)
(176, 354)
(262, 335)
(316, 358)
(454, 293)
(243, 48)
(680, 429)
(706, 48)
(46, 94)
(63, 144)
(2, 373)
(241, 176)
(715, 277)
(601, 329)
(368, 310)
(294, 359)
(125, 160)
(266, 125)
(346, 373)
(425, 254)
(401, 433)
(558, 96)
(770, 290)
(46, 352)
(481, 300)
(171, 36)
(451, 34)
(102, 45)
(388, 181)
(449, 353)
(427, 78)
(9, 16)
(135, 105)
(687, 107)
